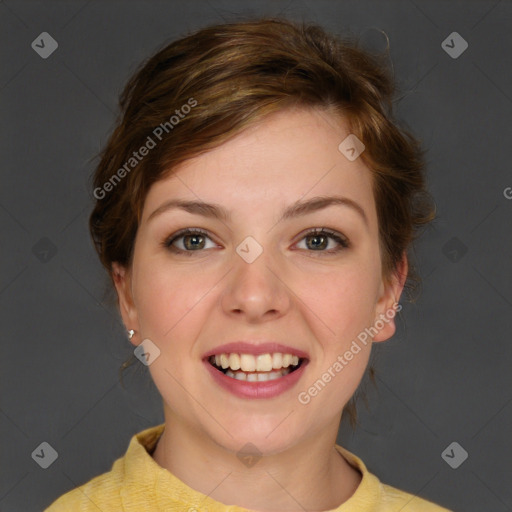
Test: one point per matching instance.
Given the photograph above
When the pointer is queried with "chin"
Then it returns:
(262, 434)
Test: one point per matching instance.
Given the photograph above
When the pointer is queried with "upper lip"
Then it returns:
(256, 349)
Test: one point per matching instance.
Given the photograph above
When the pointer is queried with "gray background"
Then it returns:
(444, 377)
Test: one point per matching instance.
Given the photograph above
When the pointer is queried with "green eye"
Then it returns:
(195, 240)
(320, 240)
(192, 240)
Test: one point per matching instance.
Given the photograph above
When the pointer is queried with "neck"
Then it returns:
(312, 475)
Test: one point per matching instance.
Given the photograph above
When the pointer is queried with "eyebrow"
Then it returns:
(297, 209)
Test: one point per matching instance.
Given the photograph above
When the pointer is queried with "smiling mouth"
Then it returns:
(261, 368)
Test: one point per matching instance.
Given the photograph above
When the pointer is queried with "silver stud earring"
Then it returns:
(131, 332)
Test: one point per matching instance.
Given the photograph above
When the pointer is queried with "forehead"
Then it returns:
(290, 155)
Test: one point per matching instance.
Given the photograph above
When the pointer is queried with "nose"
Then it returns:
(256, 290)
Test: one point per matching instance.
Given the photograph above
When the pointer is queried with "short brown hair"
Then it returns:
(236, 74)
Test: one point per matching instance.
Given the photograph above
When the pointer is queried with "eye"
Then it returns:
(319, 239)
(187, 241)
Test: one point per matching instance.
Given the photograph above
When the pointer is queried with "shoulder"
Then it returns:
(131, 480)
(395, 499)
(375, 496)
(102, 490)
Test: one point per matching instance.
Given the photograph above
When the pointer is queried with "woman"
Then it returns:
(254, 209)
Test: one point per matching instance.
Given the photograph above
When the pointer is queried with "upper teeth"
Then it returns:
(260, 363)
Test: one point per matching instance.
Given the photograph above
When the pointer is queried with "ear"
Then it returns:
(386, 308)
(122, 281)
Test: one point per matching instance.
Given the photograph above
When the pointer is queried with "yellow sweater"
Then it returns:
(136, 483)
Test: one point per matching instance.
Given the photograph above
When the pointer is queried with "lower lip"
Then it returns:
(265, 389)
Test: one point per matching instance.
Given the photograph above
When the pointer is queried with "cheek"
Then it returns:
(339, 306)
(343, 300)
(166, 296)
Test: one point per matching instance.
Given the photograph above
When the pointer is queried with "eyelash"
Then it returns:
(340, 239)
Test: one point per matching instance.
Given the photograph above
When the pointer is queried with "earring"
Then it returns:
(131, 332)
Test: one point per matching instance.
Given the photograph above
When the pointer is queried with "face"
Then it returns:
(257, 276)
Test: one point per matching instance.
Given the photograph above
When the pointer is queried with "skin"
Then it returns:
(292, 293)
